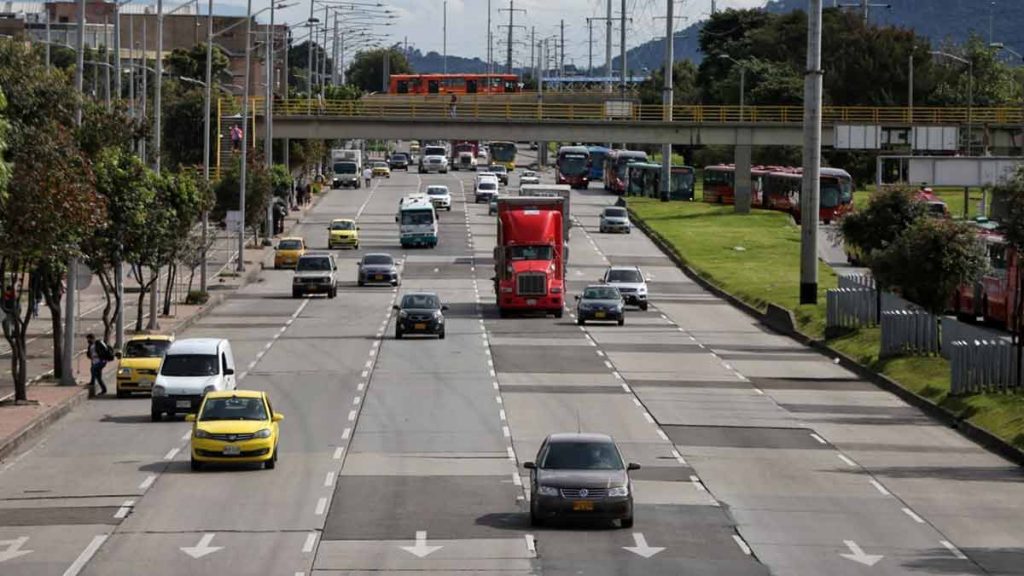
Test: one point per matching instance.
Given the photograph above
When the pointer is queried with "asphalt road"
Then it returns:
(404, 456)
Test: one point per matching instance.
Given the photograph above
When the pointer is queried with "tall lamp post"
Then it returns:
(743, 82)
(970, 95)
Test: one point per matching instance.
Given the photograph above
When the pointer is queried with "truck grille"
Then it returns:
(531, 285)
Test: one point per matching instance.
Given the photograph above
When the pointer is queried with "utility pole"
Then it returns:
(666, 100)
(243, 169)
(533, 49)
(444, 40)
(622, 48)
(865, 7)
(334, 53)
(561, 56)
(158, 77)
(67, 375)
(206, 139)
(809, 199)
(608, 45)
(590, 46)
(511, 26)
(490, 53)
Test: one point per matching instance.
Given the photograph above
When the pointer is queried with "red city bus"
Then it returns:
(453, 84)
(778, 188)
(720, 184)
(993, 296)
(615, 163)
(573, 166)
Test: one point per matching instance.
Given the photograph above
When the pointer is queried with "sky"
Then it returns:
(420, 22)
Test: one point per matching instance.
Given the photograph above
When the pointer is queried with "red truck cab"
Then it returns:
(530, 256)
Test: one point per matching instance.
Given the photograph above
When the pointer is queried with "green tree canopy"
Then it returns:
(191, 63)
(367, 69)
(684, 84)
(889, 212)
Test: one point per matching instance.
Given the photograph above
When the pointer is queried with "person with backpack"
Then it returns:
(99, 355)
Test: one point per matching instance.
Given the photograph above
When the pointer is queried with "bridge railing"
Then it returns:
(690, 114)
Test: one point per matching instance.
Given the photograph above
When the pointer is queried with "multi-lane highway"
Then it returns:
(405, 456)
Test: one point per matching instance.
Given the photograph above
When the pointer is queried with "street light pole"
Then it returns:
(244, 167)
(67, 376)
(444, 40)
(666, 149)
(157, 89)
(809, 199)
(206, 140)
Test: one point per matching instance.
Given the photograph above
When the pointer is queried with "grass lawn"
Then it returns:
(756, 258)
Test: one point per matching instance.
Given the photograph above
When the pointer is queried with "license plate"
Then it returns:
(183, 404)
(145, 383)
(583, 506)
(419, 326)
(378, 277)
(232, 450)
(531, 302)
(598, 314)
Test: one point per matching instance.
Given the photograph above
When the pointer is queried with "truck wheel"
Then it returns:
(559, 312)
(398, 333)
(296, 293)
(580, 320)
(643, 306)
(155, 415)
(622, 321)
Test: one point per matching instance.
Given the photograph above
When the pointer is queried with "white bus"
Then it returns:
(417, 222)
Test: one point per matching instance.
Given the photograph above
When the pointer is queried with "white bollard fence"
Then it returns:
(850, 307)
(909, 332)
(982, 365)
(954, 330)
(856, 281)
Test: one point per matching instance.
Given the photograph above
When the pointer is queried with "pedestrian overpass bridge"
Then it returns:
(596, 122)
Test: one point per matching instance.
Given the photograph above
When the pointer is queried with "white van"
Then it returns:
(191, 368)
(417, 222)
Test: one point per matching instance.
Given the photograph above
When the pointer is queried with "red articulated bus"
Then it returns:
(573, 166)
(453, 84)
(778, 188)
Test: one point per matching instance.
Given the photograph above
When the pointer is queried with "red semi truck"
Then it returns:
(531, 254)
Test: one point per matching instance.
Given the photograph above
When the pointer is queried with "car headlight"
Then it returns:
(438, 315)
(403, 314)
(200, 433)
(209, 389)
(264, 433)
(159, 391)
(124, 371)
(641, 290)
(619, 491)
(547, 491)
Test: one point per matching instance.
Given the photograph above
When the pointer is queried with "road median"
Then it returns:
(752, 261)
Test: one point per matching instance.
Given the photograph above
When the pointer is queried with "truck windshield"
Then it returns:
(190, 365)
(573, 164)
(531, 253)
(434, 151)
(344, 167)
(417, 217)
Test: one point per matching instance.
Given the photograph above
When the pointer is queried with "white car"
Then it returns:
(486, 176)
(529, 177)
(486, 188)
(191, 368)
(615, 219)
(440, 197)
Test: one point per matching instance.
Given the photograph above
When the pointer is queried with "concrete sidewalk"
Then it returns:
(48, 401)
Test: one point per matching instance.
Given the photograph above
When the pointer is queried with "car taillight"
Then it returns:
(556, 290)
(506, 289)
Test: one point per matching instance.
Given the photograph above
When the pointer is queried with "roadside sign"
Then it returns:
(233, 220)
(83, 275)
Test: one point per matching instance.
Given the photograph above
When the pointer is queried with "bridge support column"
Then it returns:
(743, 184)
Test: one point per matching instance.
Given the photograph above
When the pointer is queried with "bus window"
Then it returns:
(403, 87)
(433, 86)
(471, 86)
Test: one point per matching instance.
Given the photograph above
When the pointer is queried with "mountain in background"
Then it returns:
(940, 20)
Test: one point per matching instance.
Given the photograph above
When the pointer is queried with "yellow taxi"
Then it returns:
(343, 233)
(414, 147)
(288, 252)
(235, 426)
(139, 363)
(381, 170)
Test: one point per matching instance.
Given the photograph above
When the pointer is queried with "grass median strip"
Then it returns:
(756, 258)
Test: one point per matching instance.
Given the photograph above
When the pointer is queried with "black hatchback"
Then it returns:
(420, 313)
(399, 161)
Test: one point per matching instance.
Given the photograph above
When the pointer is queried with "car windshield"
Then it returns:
(601, 293)
(531, 253)
(190, 365)
(379, 260)
(399, 157)
(624, 276)
(434, 151)
(380, 165)
(146, 348)
(421, 301)
(289, 245)
(343, 225)
(313, 264)
(233, 409)
(437, 191)
(498, 169)
(573, 164)
(615, 212)
(344, 168)
(581, 456)
(488, 186)
(417, 217)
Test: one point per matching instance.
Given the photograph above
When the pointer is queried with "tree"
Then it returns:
(367, 69)
(191, 63)
(684, 84)
(257, 192)
(281, 181)
(889, 212)
(929, 261)
(183, 124)
(298, 65)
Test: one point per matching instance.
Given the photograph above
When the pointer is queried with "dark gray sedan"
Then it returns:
(378, 269)
(603, 303)
(581, 476)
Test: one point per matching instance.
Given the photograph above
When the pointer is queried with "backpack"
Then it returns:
(104, 351)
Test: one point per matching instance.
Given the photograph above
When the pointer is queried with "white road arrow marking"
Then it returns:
(202, 548)
(641, 548)
(421, 549)
(13, 548)
(858, 555)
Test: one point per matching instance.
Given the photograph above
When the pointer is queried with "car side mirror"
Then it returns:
(277, 417)
(395, 307)
(190, 417)
(577, 296)
(229, 371)
(444, 308)
(632, 466)
(117, 354)
(529, 465)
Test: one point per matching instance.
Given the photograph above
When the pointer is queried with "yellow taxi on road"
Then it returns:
(381, 170)
(235, 426)
(140, 361)
(288, 252)
(343, 233)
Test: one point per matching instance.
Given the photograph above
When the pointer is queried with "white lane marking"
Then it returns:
(329, 479)
(600, 353)
(124, 509)
(338, 452)
(742, 544)
(346, 433)
(817, 438)
(879, 487)
(361, 386)
(637, 402)
(268, 345)
(259, 355)
(649, 418)
(283, 329)
(617, 375)
(252, 365)
(369, 364)
(171, 453)
(759, 391)
(352, 415)
(516, 479)
(679, 457)
(701, 346)
(493, 374)
(846, 460)
(913, 515)
(86, 555)
(357, 400)
(490, 362)
(187, 435)
(956, 551)
(380, 333)
(505, 431)
(497, 399)
(147, 482)
(501, 414)
(373, 352)
(321, 506)
(625, 387)
(531, 544)
(375, 344)
(511, 454)
(698, 484)
(307, 546)
(364, 373)
(726, 365)
(662, 434)
(495, 385)
(741, 377)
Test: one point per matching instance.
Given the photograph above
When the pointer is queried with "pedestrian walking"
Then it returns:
(451, 105)
(99, 354)
(236, 137)
(368, 175)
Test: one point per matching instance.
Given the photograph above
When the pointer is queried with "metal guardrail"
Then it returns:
(909, 332)
(850, 307)
(405, 108)
(982, 365)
